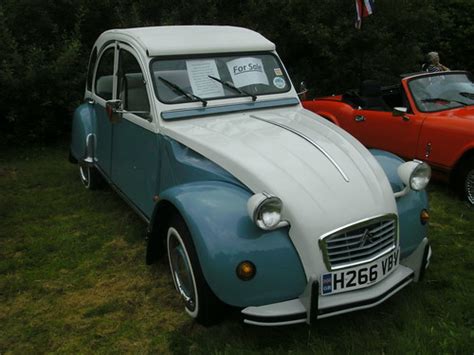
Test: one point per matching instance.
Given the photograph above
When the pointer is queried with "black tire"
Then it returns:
(466, 181)
(200, 302)
(90, 177)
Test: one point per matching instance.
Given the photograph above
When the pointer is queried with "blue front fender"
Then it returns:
(224, 235)
(412, 231)
(82, 126)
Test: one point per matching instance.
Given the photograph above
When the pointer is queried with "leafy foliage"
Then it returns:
(46, 44)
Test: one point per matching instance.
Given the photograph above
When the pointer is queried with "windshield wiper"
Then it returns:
(435, 99)
(183, 92)
(469, 95)
(233, 87)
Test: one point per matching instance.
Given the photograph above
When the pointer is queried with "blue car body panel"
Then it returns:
(103, 148)
(183, 165)
(136, 159)
(224, 235)
(214, 206)
(83, 124)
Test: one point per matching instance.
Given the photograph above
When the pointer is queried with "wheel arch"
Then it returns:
(156, 235)
(465, 156)
(215, 213)
(83, 134)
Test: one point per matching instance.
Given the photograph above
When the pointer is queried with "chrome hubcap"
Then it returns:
(470, 186)
(84, 172)
(181, 272)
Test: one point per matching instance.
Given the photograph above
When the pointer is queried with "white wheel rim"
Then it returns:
(182, 271)
(84, 172)
(470, 186)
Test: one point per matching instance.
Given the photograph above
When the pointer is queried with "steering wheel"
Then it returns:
(178, 98)
(255, 89)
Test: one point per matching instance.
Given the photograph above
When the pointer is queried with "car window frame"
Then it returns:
(126, 47)
(91, 69)
(106, 48)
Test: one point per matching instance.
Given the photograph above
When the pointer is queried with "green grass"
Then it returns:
(73, 279)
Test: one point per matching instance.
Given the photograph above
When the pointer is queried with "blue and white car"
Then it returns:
(258, 203)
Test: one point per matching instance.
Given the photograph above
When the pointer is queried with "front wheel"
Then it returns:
(467, 180)
(200, 302)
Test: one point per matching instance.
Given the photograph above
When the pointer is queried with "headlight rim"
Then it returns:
(255, 205)
(421, 165)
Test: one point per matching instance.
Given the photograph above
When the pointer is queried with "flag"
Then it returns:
(364, 8)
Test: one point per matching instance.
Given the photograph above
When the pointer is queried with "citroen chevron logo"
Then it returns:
(366, 238)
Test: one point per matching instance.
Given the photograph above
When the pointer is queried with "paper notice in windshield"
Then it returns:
(202, 85)
(247, 71)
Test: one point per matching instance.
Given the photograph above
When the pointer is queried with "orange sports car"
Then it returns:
(428, 116)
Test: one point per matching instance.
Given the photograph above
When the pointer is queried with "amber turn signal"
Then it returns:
(424, 217)
(246, 270)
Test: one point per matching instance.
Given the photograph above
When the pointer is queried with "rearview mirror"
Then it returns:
(302, 94)
(114, 110)
(399, 111)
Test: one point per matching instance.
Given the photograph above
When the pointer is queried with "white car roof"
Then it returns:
(176, 40)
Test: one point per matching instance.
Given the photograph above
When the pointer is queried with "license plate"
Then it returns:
(360, 276)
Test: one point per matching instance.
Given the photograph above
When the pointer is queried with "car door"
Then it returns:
(441, 141)
(135, 148)
(103, 90)
(376, 125)
(383, 130)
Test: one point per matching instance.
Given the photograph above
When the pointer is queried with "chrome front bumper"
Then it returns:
(311, 306)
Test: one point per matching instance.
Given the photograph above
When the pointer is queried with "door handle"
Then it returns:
(90, 101)
(359, 118)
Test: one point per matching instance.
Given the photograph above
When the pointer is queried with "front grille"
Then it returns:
(361, 242)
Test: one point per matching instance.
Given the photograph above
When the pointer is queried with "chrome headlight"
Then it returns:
(415, 174)
(265, 211)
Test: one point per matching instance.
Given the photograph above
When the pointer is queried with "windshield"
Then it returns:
(216, 77)
(442, 91)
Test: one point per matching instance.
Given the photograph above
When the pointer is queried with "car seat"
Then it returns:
(370, 93)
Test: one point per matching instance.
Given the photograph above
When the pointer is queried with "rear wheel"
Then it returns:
(200, 302)
(90, 177)
(467, 181)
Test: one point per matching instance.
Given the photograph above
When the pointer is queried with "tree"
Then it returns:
(46, 44)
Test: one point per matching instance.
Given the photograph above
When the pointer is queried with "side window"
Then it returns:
(104, 75)
(131, 85)
(90, 70)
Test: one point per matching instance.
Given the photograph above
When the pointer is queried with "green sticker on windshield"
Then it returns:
(279, 82)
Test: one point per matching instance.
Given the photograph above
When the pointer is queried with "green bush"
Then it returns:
(45, 46)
